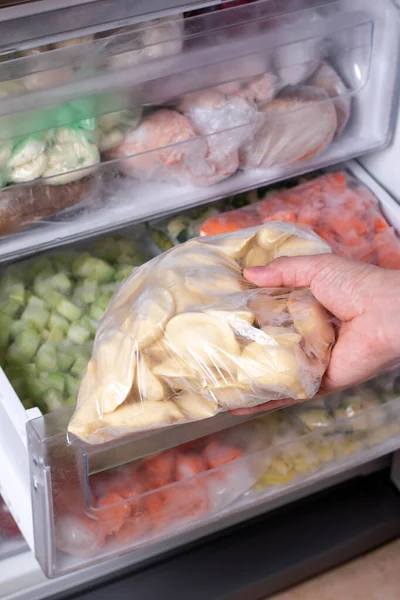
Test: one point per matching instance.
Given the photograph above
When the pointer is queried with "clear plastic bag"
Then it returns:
(340, 209)
(186, 336)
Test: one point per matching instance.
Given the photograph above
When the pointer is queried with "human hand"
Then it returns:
(366, 301)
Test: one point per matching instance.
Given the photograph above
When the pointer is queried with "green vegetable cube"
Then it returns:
(58, 322)
(6, 324)
(23, 349)
(61, 282)
(69, 310)
(79, 367)
(78, 334)
(46, 358)
(72, 386)
(36, 317)
(53, 400)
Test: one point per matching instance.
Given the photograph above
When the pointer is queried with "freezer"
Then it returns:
(121, 139)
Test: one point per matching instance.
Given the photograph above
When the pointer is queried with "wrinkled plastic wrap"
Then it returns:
(50, 307)
(186, 336)
(340, 209)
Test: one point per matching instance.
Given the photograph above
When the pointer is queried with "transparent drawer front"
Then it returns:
(149, 491)
(136, 122)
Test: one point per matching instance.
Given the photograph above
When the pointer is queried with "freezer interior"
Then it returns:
(110, 128)
(92, 503)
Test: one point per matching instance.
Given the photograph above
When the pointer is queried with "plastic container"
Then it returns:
(90, 503)
(227, 101)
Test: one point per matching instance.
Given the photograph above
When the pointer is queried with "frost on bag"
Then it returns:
(186, 336)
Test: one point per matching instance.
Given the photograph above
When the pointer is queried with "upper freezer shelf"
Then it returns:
(114, 127)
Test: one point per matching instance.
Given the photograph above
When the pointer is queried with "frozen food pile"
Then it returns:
(251, 112)
(50, 309)
(186, 336)
(340, 209)
(144, 500)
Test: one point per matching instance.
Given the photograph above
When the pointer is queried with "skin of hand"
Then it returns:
(365, 300)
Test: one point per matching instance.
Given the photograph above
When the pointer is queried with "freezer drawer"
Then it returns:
(150, 493)
(179, 111)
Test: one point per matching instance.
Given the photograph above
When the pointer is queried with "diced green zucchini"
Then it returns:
(41, 265)
(61, 283)
(10, 308)
(55, 381)
(69, 310)
(55, 335)
(36, 317)
(35, 388)
(46, 358)
(35, 301)
(53, 298)
(85, 293)
(6, 330)
(96, 312)
(89, 267)
(123, 272)
(79, 367)
(65, 359)
(42, 283)
(78, 334)
(103, 300)
(56, 321)
(23, 349)
(53, 399)
(89, 324)
(17, 294)
(72, 384)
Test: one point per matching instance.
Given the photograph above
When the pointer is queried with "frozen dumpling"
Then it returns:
(186, 337)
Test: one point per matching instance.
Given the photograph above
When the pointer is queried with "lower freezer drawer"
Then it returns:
(91, 506)
(269, 554)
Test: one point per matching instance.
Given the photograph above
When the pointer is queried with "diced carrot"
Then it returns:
(380, 223)
(186, 501)
(133, 529)
(334, 181)
(230, 221)
(286, 216)
(190, 465)
(159, 470)
(218, 454)
(387, 245)
(112, 511)
(309, 216)
(352, 239)
(154, 505)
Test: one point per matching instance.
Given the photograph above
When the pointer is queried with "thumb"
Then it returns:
(335, 282)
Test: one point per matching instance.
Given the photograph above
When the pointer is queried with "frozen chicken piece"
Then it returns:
(166, 147)
(237, 347)
(325, 77)
(161, 148)
(260, 90)
(295, 127)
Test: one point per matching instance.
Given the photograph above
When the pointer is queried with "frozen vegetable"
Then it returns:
(49, 310)
(150, 497)
(187, 329)
(337, 207)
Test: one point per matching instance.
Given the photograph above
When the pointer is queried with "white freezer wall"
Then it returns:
(384, 166)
